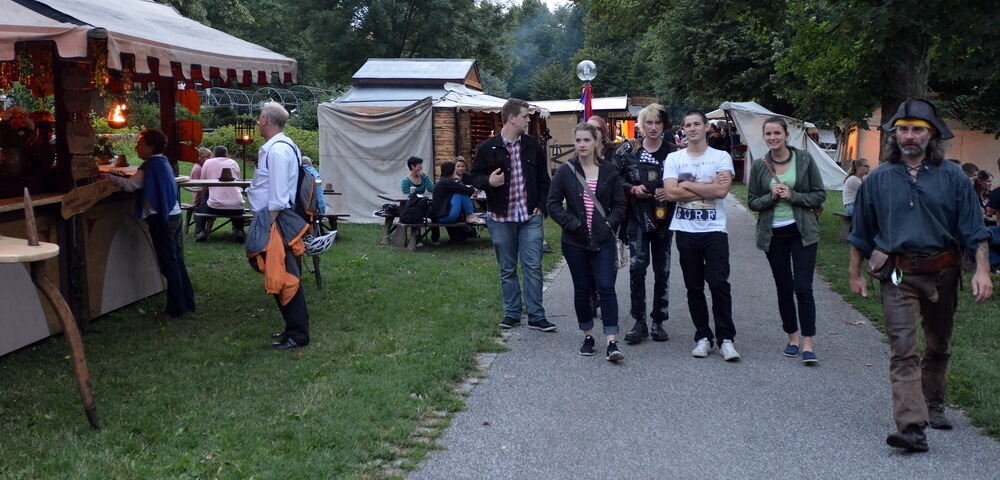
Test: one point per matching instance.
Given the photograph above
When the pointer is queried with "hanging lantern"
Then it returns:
(244, 131)
(118, 115)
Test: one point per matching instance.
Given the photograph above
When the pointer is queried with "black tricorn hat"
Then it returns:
(923, 110)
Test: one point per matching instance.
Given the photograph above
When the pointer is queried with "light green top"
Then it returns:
(783, 209)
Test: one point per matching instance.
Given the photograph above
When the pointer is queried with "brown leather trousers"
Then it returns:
(918, 382)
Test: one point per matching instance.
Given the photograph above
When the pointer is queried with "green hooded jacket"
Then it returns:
(807, 193)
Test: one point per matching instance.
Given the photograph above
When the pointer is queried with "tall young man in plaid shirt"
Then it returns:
(512, 170)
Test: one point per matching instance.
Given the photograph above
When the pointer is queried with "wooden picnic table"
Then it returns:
(414, 233)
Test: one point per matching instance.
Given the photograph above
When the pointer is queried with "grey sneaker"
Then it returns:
(728, 352)
(510, 322)
(701, 348)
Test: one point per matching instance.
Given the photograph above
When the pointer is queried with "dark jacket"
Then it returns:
(807, 193)
(492, 154)
(632, 172)
(443, 191)
(573, 218)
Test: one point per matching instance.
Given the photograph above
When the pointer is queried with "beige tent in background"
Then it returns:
(969, 145)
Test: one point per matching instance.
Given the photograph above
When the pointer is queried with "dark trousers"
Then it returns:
(792, 266)
(704, 258)
(296, 317)
(199, 222)
(170, 257)
(918, 382)
(593, 270)
(643, 245)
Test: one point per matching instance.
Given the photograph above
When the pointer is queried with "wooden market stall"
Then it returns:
(86, 56)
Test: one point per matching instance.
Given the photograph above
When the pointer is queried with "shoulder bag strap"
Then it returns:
(590, 193)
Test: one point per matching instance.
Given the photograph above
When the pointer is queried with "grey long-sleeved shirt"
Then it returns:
(935, 211)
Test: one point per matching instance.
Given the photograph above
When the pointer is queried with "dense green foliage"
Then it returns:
(307, 141)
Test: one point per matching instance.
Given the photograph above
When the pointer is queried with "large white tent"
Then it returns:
(749, 119)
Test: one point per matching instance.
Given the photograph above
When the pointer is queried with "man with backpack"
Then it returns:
(273, 195)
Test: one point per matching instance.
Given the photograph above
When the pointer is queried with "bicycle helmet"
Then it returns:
(320, 244)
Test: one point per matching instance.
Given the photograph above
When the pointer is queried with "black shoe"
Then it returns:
(937, 418)
(543, 325)
(239, 236)
(638, 332)
(201, 237)
(911, 439)
(587, 349)
(509, 322)
(286, 344)
(657, 333)
(279, 335)
(614, 355)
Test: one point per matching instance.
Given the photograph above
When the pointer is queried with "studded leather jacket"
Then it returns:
(634, 168)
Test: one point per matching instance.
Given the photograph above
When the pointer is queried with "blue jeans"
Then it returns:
(519, 239)
(849, 209)
(642, 245)
(460, 205)
(593, 270)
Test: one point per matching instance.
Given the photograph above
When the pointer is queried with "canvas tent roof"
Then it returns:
(441, 69)
(451, 95)
(749, 118)
(574, 105)
(142, 28)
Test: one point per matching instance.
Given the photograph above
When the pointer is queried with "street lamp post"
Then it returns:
(586, 71)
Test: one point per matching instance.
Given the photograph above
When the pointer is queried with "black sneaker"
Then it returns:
(911, 439)
(587, 349)
(509, 322)
(658, 333)
(543, 325)
(638, 332)
(614, 355)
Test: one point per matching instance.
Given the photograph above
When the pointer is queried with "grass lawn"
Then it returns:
(205, 396)
(973, 376)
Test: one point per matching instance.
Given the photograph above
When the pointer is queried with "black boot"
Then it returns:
(638, 332)
(657, 332)
(910, 439)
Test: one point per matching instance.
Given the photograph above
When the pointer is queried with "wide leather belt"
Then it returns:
(925, 264)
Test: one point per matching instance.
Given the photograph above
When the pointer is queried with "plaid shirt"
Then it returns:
(517, 201)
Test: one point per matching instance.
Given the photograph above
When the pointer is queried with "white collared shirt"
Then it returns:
(274, 181)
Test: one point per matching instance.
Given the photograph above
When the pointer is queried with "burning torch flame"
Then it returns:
(118, 115)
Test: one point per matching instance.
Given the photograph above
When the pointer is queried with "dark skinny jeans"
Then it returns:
(593, 271)
(792, 265)
(704, 258)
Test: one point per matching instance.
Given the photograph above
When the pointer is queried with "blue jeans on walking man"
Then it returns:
(513, 241)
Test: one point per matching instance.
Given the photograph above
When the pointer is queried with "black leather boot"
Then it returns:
(656, 331)
(910, 439)
(638, 332)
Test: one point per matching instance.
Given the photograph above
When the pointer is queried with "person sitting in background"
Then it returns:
(451, 200)
(203, 154)
(984, 187)
(462, 171)
(220, 200)
(970, 170)
(857, 174)
(416, 178)
(307, 164)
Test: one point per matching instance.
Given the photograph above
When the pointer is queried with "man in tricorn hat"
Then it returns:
(912, 217)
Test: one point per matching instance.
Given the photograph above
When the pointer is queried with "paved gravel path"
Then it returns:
(544, 412)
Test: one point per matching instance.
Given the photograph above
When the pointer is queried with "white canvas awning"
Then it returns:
(574, 105)
(451, 95)
(143, 28)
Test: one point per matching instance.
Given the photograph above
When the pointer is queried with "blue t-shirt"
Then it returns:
(320, 201)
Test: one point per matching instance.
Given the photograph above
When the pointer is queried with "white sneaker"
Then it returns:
(701, 348)
(728, 352)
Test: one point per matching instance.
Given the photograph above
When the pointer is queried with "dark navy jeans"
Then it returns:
(593, 270)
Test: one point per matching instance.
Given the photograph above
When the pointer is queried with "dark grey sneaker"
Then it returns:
(911, 439)
(614, 355)
(937, 418)
(509, 322)
(587, 349)
(543, 325)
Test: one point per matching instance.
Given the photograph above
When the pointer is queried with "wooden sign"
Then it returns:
(80, 199)
(189, 131)
(80, 137)
(83, 166)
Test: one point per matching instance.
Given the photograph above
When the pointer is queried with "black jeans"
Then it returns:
(199, 222)
(170, 257)
(642, 245)
(792, 265)
(593, 271)
(296, 317)
(704, 258)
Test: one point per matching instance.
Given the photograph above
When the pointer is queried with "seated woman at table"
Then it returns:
(451, 200)
(462, 171)
(416, 178)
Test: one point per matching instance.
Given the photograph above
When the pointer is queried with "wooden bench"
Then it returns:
(210, 217)
(417, 232)
(187, 209)
(845, 226)
(331, 220)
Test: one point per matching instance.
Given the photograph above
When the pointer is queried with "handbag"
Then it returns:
(770, 169)
(621, 251)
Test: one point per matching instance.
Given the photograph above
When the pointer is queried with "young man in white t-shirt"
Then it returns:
(698, 178)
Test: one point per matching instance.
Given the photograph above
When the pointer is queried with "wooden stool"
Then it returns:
(14, 250)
